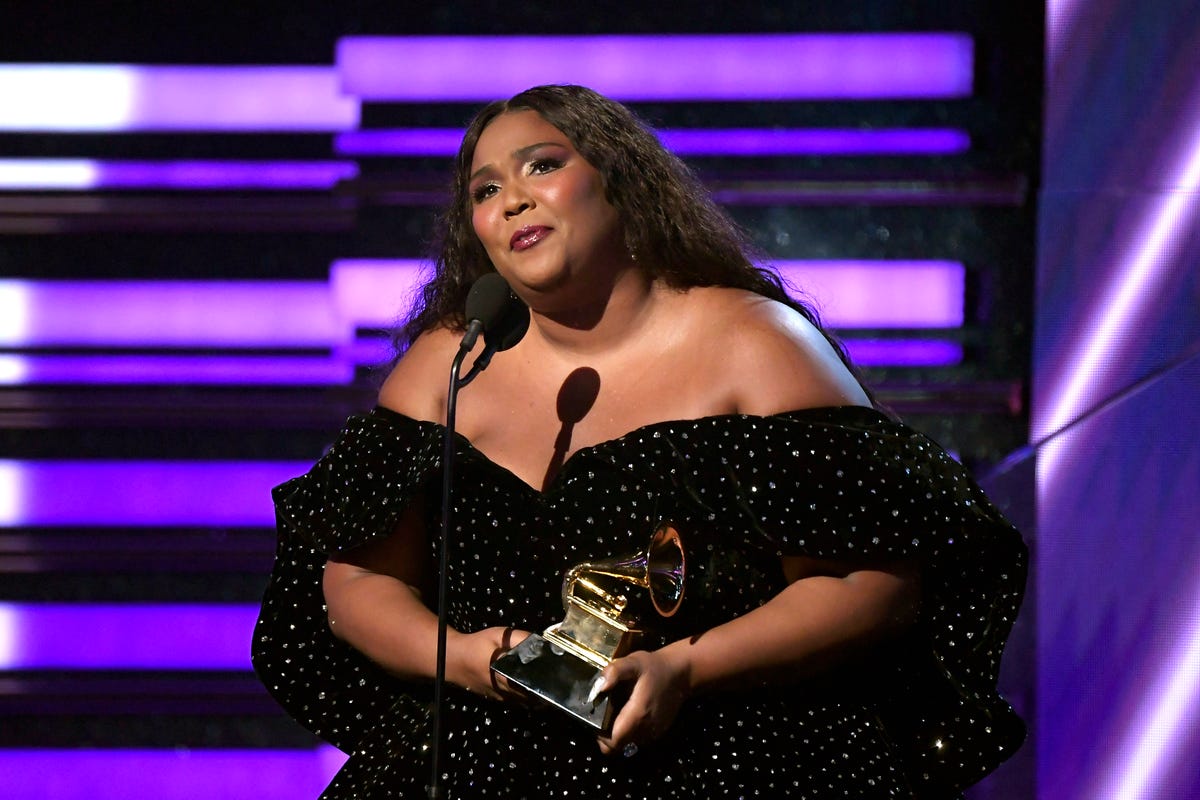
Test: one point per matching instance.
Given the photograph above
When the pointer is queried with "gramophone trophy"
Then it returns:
(561, 664)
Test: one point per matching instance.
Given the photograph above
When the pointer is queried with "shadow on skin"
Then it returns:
(575, 399)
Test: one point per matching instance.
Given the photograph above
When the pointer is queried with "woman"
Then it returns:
(853, 588)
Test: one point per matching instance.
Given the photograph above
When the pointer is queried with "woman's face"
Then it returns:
(539, 209)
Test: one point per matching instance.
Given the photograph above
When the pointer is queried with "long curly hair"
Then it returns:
(670, 223)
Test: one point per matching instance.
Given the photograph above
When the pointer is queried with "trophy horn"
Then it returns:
(661, 569)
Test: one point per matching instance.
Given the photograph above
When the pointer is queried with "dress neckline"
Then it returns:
(468, 447)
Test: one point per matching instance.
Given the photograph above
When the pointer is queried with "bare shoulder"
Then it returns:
(775, 358)
(416, 386)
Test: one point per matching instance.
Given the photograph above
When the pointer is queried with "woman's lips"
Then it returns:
(528, 236)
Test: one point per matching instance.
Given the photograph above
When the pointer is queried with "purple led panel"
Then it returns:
(72, 774)
(904, 352)
(125, 636)
(714, 142)
(849, 294)
(140, 493)
(80, 174)
(1114, 400)
(816, 142)
(855, 66)
(1139, 267)
(119, 97)
(864, 352)
(399, 142)
(213, 370)
(881, 294)
(168, 313)
(375, 293)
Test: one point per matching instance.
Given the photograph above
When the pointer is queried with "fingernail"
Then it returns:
(599, 684)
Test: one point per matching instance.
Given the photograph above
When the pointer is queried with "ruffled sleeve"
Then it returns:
(355, 493)
(849, 484)
(378, 463)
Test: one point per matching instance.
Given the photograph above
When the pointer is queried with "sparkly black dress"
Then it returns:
(921, 718)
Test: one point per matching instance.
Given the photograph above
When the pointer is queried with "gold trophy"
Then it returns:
(561, 665)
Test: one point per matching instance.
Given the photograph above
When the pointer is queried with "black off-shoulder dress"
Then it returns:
(919, 718)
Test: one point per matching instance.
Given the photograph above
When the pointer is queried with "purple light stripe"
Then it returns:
(375, 293)
(864, 352)
(119, 97)
(881, 294)
(1137, 275)
(904, 352)
(140, 493)
(369, 351)
(399, 142)
(101, 369)
(850, 294)
(831, 142)
(299, 370)
(671, 67)
(1061, 17)
(100, 636)
(714, 142)
(79, 174)
(167, 774)
(168, 313)
(1154, 739)
(60, 173)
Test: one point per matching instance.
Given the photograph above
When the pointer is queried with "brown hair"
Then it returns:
(678, 234)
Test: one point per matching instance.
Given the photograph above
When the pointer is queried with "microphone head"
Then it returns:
(488, 298)
(510, 328)
(501, 313)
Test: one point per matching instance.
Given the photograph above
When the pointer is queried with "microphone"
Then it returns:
(493, 310)
(500, 315)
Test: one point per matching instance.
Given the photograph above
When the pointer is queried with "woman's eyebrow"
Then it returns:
(517, 155)
(522, 152)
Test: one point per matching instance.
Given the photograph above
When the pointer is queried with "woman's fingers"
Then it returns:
(503, 690)
(653, 703)
(510, 639)
(473, 656)
(617, 672)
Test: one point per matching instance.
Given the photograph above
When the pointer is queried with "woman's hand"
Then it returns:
(469, 657)
(660, 686)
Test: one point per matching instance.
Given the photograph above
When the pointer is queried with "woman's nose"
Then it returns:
(516, 201)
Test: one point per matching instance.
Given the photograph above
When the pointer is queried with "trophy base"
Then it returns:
(558, 677)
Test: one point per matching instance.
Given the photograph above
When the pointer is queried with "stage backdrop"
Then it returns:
(1116, 399)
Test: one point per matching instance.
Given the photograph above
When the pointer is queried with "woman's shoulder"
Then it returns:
(416, 386)
(751, 312)
(776, 358)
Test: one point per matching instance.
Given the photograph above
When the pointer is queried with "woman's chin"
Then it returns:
(540, 283)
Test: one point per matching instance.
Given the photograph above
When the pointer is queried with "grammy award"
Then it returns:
(561, 664)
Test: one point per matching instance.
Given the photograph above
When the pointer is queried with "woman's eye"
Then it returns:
(483, 192)
(544, 165)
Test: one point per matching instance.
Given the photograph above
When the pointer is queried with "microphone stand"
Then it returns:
(434, 790)
(490, 304)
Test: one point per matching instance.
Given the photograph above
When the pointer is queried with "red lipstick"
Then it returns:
(528, 236)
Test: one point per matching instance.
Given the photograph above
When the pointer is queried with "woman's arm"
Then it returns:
(776, 361)
(375, 594)
(832, 614)
(374, 600)
(820, 620)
